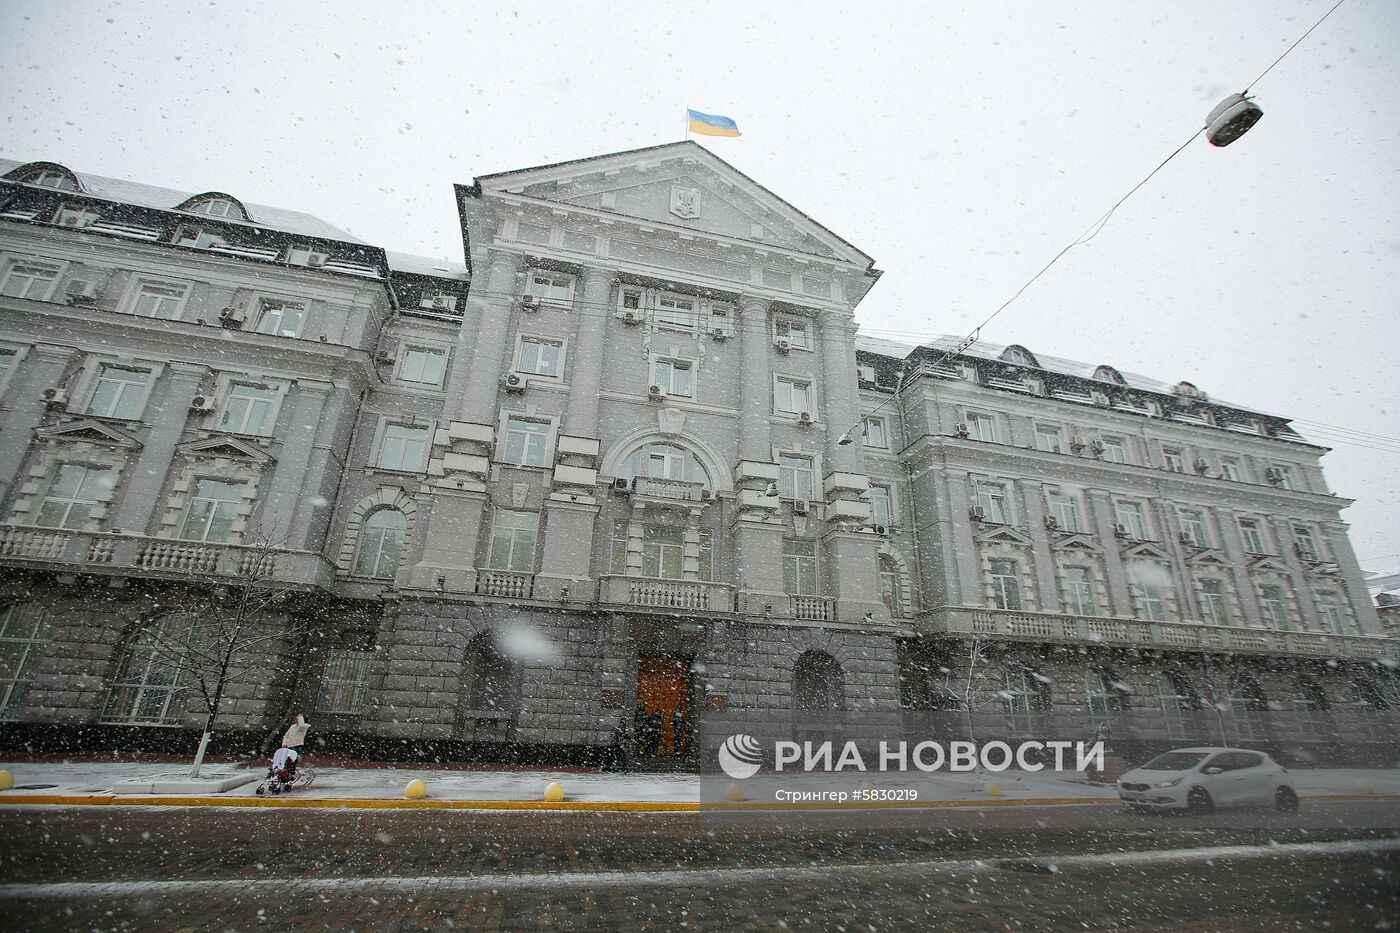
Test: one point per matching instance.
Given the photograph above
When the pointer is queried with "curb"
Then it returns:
(619, 806)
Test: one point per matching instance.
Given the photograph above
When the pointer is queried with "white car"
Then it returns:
(1201, 779)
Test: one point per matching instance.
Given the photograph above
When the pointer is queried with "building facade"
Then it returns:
(630, 462)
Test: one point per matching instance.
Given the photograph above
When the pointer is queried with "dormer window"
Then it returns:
(217, 207)
(1020, 356)
(196, 237)
(48, 178)
(302, 255)
(1109, 374)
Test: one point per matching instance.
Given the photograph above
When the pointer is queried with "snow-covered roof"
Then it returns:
(167, 199)
(884, 347)
(426, 265)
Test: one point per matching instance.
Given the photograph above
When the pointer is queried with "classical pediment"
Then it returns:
(679, 185)
(1001, 534)
(1207, 556)
(1076, 542)
(1268, 562)
(229, 447)
(1148, 550)
(89, 431)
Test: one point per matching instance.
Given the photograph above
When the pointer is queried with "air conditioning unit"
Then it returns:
(1120, 531)
(880, 530)
(976, 513)
(514, 382)
(621, 484)
(631, 317)
(55, 397)
(960, 430)
(783, 344)
(804, 417)
(384, 358)
(656, 392)
(1184, 538)
(202, 403)
(233, 317)
(72, 220)
(442, 303)
(707, 494)
(1052, 523)
(80, 290)
(529, 303)
(720, 331)
(316, 260)
(801, 507)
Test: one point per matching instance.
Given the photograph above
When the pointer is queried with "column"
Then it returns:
(1353, 581)
(757, 530)
(44, 367)
(308, 405)
(755, 437)
(1302, 592)
(1239, 564)
(1047, 571)
(841, 396)
(1101, 514)
(586, 356)
(473, 386)
(168, 416)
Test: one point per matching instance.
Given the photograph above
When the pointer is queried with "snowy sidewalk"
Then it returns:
(383, 782)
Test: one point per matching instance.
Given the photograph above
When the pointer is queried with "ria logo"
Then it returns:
(740, 756)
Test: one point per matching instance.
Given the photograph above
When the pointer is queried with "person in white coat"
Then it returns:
(296, 734)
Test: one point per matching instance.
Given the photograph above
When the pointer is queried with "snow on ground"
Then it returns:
(97, 778)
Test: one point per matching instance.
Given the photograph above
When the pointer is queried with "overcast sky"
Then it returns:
(962, 145)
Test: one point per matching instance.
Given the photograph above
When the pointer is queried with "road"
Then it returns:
(129, 868)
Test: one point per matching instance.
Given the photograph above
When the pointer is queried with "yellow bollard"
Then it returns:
(735, 793)
(554, 792)
(7, 780)
(993, 790)
(1360, 789)
(416, 789)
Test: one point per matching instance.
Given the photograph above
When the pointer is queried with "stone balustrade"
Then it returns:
(696, 595)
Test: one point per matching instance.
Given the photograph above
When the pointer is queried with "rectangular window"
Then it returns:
(1304, 543)
(539, 357)
(302, 255)
(1275, 607)
(1252, 536)
(24, 642)
(1049, 439)
(120, 391)
(881, 510)
(1193, 528)
(248, 409)
(1006, 584)
(212, 511)
(865, 375)
(1174, 459)
(1079, 592)
(1232, 469)
(527, 442)
(1283, 477)
(1115, 449)
(423, 365)
(554, 287)
(29, 280)
(7, 363)
(73, 494)
(800, 567)
(1329, 611)
(673, 376)
(981, 427)
(280, 318)
(345, 681)
(793, 396)
(876, 434)
(513, 540)
(1064, 508)
(197, 238)
(663, 552)
(76, 217)
(403, 448)
(675, 310)
(1214, 608)
(795, 332)
(796, 478)
(158, 301)
(991, 499)
(1130, 519)
(1152, 585)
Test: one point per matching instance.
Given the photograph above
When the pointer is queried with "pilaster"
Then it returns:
(141, 490)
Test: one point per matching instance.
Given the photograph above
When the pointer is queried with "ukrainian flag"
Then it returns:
(708, 124)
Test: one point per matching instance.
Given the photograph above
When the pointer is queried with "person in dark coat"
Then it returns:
(622, 733)
(656, 732)
(678, 731)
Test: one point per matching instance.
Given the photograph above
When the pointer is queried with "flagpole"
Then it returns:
(687, 125)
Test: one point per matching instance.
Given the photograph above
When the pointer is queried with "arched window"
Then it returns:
(1179, 704)
(890, 590)
(1311, 705)
(151, 683)
(381, 544)
(46, 175)
(1019, 355)
(24, 638)
(1109, 374)
(1187, 390)
(1026, 694)
(665, 461)
(215, 205)
(817, 684)
(1247, 707)
(1104, 695)
(491, 677)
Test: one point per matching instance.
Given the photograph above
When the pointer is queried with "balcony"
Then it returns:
(679, 595)
(668, 490)
(505, 583)
(102, 552)
(1047, 626)
(813, 608)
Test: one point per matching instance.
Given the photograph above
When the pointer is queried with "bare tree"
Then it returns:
(233, 627)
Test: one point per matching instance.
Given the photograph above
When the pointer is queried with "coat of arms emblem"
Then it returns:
(685, 202)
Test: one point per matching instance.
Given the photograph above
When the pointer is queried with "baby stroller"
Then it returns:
(286, 772)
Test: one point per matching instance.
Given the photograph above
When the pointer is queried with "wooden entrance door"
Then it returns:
(663, 689)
